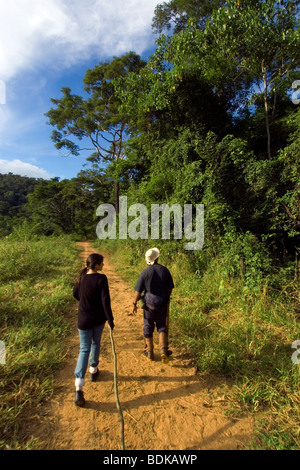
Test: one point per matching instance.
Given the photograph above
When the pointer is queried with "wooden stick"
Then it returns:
(116, 390)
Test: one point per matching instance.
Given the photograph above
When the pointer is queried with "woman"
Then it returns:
(92, 291)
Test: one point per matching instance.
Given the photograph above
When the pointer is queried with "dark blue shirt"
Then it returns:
(155, 279)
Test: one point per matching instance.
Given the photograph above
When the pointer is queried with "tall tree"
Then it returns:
(177, 13)
(96, 118)
(185, 106)
(47, 208)
(259, 44)
(248, 52)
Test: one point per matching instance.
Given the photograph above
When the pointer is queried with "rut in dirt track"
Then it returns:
(165, 407)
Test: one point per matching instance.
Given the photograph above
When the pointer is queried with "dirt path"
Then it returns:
(165, 407)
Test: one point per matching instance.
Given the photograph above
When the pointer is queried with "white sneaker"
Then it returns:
(79, 383)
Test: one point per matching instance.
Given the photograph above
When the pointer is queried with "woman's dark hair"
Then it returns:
(92, 260)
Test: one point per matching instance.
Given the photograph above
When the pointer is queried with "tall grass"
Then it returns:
(36, 277)
(244, 333)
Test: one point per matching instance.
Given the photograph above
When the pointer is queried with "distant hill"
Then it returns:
(13, 195)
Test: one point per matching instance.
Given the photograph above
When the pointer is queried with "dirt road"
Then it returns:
(165, 407)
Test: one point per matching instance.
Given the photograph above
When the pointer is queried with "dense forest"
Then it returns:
(51, 207)
(13, 198)
(211, 118)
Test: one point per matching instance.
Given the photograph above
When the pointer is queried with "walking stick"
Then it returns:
(116, 390)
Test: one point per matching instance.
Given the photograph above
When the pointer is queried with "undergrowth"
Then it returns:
(36, 276)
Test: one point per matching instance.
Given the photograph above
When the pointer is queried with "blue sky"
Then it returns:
(48, 44)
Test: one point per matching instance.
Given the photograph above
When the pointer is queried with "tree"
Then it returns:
(68, 206)
(196, 109)
(172, 92)
(259, 44)
(248, 53)
(14, 190)
(96, 118)
(177, 13)
(47, 209)
(82, 195)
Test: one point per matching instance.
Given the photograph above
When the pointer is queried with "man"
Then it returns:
(157, 284)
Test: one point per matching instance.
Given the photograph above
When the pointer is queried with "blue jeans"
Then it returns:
(89, 350)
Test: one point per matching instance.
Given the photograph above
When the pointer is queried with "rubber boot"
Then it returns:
(163, 344)
(148, 353)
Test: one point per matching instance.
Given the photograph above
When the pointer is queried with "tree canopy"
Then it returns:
(96, 118)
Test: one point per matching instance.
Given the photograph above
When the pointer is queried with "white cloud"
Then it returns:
(18, 167)
(62, 32)
(38, 39)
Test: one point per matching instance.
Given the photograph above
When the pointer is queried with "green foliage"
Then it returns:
(176, 13)
(14, 190)
(51, 214)
(97, 118)
(69, 206)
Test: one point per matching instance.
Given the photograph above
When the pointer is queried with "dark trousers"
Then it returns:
(155, 317)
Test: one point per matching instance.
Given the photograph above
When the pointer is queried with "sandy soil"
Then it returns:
(165, 407)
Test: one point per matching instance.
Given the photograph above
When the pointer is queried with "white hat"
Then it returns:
(152, 255)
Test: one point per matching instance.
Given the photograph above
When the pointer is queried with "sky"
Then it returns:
(46, 45)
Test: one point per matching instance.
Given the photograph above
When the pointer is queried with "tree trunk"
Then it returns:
(117, 194)
(267, 112)
(243, 268)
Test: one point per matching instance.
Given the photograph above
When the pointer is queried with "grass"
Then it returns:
(36, 278)
(240, 332)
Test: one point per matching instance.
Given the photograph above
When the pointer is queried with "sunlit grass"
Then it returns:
(36, 278)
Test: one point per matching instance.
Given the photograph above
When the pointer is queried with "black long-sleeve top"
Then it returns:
(94, 301)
